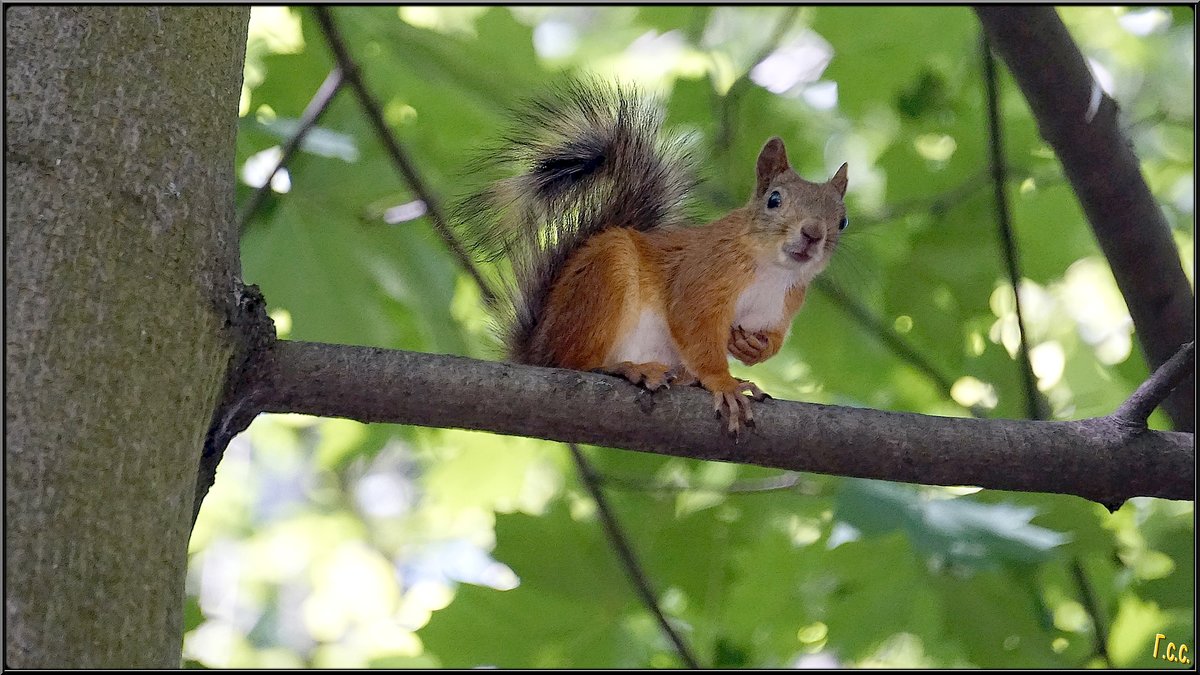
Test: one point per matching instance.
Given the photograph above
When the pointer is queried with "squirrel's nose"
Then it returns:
(811, 232)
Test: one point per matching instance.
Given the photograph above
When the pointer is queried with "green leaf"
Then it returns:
(572, 601)
(955, 531)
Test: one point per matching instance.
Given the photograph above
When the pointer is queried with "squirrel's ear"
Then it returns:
(839, 180)
(772, 161)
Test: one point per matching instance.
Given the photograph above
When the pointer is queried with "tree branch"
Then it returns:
(1087, 596)
(1098, 459)
(1137, 408)
(935, 203)
(408, 169)
(1035, 408)
(726, 104)
(890, 338)
(1080, 122)
(620, 543)
(312, 113)
(397, 153)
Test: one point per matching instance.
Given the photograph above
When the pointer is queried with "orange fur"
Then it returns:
(618, 273)
(620, 284)
(609, 278)
(708, 276)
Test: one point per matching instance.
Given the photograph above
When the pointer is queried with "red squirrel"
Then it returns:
(611, 277)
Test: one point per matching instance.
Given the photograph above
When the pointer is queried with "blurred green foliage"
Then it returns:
(332, 543)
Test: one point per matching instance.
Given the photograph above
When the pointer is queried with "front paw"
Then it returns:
(748, 347)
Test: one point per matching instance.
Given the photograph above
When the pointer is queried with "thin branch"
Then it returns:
(312, 113)
(724, 137)
(1034, 408)
(890, 338)
(1137, 408)
(1098, 459)
(935, 203)
(1080, 122)
(1155, 119)
(697, 22)
(416, 182)
(783, 481)
(620, 543)
(399, 156)
(787, 19)
(1088, 596)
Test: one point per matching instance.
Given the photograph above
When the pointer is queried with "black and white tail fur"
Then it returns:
(587, 157)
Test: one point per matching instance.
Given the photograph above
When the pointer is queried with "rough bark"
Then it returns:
(121, 267)
(1081, 123)
(1107, 459)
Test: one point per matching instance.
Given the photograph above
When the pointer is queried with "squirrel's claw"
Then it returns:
(755, 393)
(735, 409)
(652, 376)
(682, 377)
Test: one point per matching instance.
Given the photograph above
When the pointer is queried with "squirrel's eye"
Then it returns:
(774, 200)
(842, 225)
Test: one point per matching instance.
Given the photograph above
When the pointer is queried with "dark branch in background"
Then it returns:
(697, 22)
(397, 153)
(1080, 122)
(1035, 408)
(409, 171)
(1102, 459)
(1087, 596)
(312, 113)
(890, 338)
(726, 104)
(1162, 382)
(937, 203)
(617, 539)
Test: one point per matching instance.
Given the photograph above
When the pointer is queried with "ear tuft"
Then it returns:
(772, 161)
(839, 180)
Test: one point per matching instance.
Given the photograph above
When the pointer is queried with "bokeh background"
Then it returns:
(329, 543)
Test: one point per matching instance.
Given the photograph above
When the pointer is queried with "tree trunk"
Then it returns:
(121, 266)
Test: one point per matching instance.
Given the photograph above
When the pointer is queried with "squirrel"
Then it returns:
(609, 274)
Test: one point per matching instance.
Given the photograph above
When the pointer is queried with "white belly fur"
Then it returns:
(761, 305)
(649, 342)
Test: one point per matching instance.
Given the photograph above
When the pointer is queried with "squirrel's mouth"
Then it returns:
(804, 250)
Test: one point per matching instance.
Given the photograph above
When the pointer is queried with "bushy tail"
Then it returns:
(588, 157)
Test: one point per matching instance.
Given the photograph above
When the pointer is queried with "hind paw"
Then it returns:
(652, 376)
